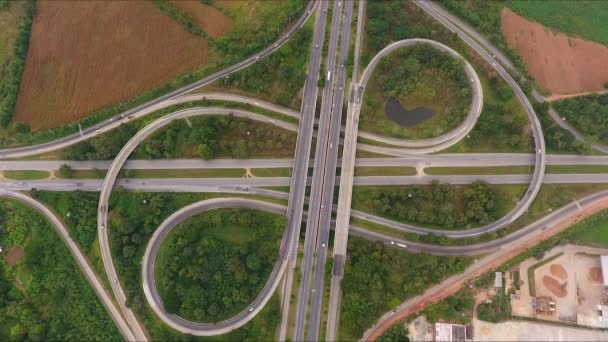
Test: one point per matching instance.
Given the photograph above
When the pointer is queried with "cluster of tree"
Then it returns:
(183, 18)
(457, 308)
(438, 204)
(418, 62)
(557, 138)
(484, 16)
(209, 137)
(50, 300)
(246, 37)
(103, 147)
(378, 278)
(498, 309)
(396, 333)
(78, 210)
(207, 277)
(279, 75)
(385, 24)
(589, 114)
(11, 73)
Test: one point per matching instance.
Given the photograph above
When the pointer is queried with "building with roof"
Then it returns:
(604, 262)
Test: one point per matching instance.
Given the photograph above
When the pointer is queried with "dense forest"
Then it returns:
(44, 296)
(441, 205)
(204, 137)
(213, 265)
(378, 278)
(396, 333)
(589, 114)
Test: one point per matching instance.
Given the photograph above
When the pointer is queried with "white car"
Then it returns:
(103, 226)
(392, 242)
(322, 245)
(251, 309)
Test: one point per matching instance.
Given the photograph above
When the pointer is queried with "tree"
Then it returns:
(65, 171)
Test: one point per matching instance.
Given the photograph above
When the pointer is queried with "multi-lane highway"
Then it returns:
(314, 206)
(329, 178)
(418, 161)
(301, 162)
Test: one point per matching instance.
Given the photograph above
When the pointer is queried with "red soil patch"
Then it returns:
(212, 21)
(561, 64)
(87, 55)
(595, 274)
(558, 271)
(14, 255)
(554, 286)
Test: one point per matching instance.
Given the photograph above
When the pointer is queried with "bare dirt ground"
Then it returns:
(561, 64)
(528, 331)
(595, 274)
(558, 271)
(86, 55)
(14, 255)
(420, 329)
(554, 286)
(212, 21)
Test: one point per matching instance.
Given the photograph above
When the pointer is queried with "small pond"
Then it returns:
(408, 118)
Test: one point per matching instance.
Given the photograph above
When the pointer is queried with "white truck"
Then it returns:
(399, 244)
(328, 75)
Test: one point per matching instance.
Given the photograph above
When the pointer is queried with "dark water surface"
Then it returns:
(408, 118)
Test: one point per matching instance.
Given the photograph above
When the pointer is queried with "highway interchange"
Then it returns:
(318, 216)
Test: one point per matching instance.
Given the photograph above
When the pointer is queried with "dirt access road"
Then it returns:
(492, 261)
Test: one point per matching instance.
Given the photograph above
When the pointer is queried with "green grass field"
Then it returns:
(385, 171)
(515, 169)
(584, 18)
(596, 235)
(26, 174)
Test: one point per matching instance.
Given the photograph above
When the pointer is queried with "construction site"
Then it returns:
(567, 286)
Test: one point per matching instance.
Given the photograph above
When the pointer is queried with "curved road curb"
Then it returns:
(207, 329)
(448, 139)
(81, 260)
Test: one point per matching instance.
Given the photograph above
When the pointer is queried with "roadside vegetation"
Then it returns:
(278, 78)
(503, 125)
(15, 25)
(213, 265)
(551, 197)
(588, 114)
(418, 76)
(438, 205)
(43, 295)
(253, 25)
(206, 137)
(557, 139)
(397, 333)
(26, 174)
(378, 278)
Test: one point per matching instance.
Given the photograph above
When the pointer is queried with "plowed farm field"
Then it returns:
(87, 55)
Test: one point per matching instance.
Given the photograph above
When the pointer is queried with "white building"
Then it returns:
(604, 261)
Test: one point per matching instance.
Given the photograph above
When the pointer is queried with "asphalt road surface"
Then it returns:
(80, 258)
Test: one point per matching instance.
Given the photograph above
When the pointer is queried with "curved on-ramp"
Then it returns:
(109, 181)
(223, 327)
(446, 140)
(81, 260)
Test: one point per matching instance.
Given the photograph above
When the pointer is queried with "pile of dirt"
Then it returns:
(560, 63)
(554, 286)
(595, 274)
(14, 255)
(559, 271)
